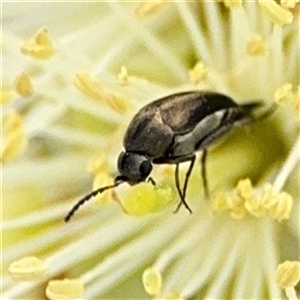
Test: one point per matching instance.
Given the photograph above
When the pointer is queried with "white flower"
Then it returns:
(74, 74)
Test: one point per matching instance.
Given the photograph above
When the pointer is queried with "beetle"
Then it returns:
(171, 130)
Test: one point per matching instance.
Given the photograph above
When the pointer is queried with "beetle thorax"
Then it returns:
(134, 167)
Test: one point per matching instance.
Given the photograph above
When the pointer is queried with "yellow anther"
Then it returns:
(101, 180)
(6, 95)
(64, 289)
(123, 77)
(289, 3)
(148, 8)
(288, 274)
(238, 211)
(117, 103)
(40, 46)
(268, 195)
(152, 281)
(244, 189)
(219, 201)
(236, 205)
(232, 3)
(23, 85)
(92, 88)
(88, 85)
(198, 73)
(12, 121)
(14, 144)
(255, 206)
(276, 13)
(284, 94)
(27, 269)
(256, 46)
(281, 206)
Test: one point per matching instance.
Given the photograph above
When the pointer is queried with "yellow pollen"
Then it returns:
(64, 289)
(284, 94)
(123, 77)
(6, 95)
(152, 281)
(256, 46)
(198, 73)
(144, 199)
(232, 3)
(288, 274)
(23, 85)
(276, 13)
(289, 3)
(101, 180)
(40, 46)
(148, 8)
(27, 269)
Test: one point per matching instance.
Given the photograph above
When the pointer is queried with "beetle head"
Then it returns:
(133, 167)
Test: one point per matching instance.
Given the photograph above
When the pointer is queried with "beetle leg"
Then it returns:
(151, 180)
(187, 176)
(203, 172)
(182, 194)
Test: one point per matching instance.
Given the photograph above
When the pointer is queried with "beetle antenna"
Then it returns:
(88, 197)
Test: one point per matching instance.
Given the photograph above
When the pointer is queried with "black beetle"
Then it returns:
(170, 130)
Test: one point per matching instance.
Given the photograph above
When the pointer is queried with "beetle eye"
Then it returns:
(145, 169)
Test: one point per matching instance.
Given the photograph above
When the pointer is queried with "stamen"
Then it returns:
(284, 94)
(64, 289)
(198, 73)
(149, 8)
(288, 274)
(123, 77)
(27, 269)
(23, 85)
(40, 46)
(279, 15)
(256, 46)
(152, 281)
